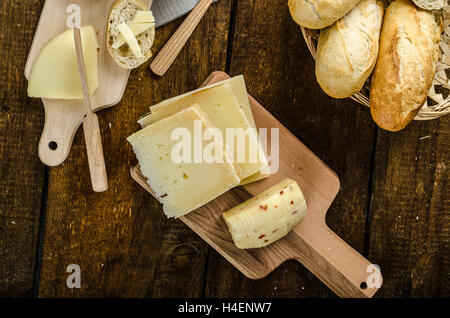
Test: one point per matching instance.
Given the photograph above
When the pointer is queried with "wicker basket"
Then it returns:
(438, 102)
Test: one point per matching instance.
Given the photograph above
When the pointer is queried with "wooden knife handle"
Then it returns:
(91, 127)
(170, 51)
(95, 156)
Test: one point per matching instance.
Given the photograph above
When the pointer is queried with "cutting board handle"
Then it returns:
(62, 121)
(335, 263)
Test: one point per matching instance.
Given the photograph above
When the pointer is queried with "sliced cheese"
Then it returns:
(180, 187)
(267, 217)
(263, 174)
(55, 73)
(236, 83)
(143, 21)
(144, 17)
(130, 39)
(225, 112)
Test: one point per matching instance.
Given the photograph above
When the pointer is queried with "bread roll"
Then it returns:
(431, 4)
(348, 50)
(318, 14)
(123, 11)
(406, 65)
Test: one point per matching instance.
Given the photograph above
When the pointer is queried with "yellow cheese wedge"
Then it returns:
(261, 175)
(225, 112)
(55, 73)
(236, 83)
(239, 89)
(143, 21)
(130, 39)
(267, 217)
(181, 187)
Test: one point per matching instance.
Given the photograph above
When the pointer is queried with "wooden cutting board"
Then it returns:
(312, 243)
(64, 117)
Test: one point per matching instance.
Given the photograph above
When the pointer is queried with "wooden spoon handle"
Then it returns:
(169, 53)
(91, 127)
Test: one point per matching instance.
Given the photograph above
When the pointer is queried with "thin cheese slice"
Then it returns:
(236, 83)
(144, 17)
(267, 217)
(181, 187)
(143, 21)
(225, 112)
(130, 39)
(55, 73)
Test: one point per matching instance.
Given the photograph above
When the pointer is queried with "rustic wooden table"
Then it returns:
(393, 206)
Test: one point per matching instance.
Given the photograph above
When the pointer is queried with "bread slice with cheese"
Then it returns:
(128, 45)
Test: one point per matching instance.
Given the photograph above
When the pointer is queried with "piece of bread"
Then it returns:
(123, 11)
(431, 4)
(406, 65)
(347, 51)
(318, 14)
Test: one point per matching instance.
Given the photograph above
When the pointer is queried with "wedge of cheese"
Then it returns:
(181, 187)
(267, 217)
(238, 87)
(143, 21)
(224, 110)
(55, 73)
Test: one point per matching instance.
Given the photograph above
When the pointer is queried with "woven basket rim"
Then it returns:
(426, 113)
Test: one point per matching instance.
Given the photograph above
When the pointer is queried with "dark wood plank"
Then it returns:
(21, 173)
(269, 50)
(409, 232)
(123, 243)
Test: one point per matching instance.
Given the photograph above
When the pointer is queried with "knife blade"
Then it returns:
(166, 11)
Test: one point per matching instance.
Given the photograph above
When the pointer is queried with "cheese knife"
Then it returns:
(91, 127)
(170, 51)
(166, 11)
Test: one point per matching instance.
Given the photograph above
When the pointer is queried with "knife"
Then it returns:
(169, 52)
(166, 11)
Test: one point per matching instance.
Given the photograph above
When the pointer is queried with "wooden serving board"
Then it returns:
(312, 243)
(64, 117)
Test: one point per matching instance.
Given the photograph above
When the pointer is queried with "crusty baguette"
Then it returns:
(431, 4)
(318, 14)
(406, 65)
(123, 11)
(348, 50)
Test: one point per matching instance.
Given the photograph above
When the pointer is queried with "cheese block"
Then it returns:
(224, 110)
(267, 217)
(181, 187)
(143, 21)
(55, 73)
(239, 89)
(236, 83)
(131, 40)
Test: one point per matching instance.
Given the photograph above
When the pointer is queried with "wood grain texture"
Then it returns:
(170, 51)
(143, 255)
(410, 221)
(21, 173)
(269, 50)
(121, 240)
(64, 117)
(311, 242)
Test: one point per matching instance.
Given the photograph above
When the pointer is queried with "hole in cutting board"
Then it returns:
(363, 285)
(53, 145)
